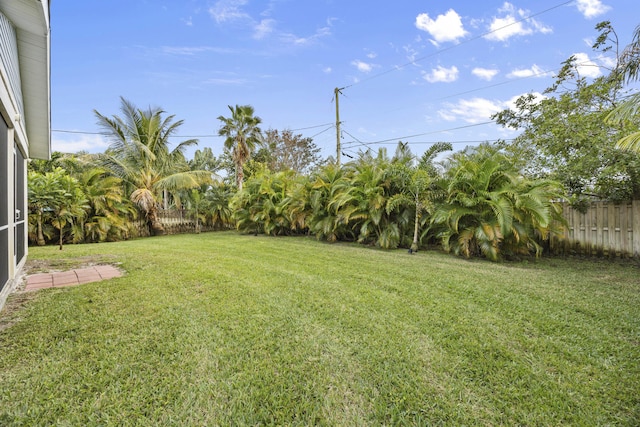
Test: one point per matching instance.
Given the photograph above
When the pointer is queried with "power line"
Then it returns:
(468, 141)
(79, 132)
(364, 144)
(323, 131)
(439, 51)
(423, 134)
(312, 127)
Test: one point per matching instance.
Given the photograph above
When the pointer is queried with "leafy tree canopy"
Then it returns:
(565, 135)
(285, 150)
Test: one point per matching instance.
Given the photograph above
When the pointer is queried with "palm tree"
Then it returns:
(415, 183)
(217, 212)
(44, 192)
(69, 209)
(139, 154)
(243, 135)
(629, 111)
(326, 221)
(110, 211)
(625, 115)
(489, 209)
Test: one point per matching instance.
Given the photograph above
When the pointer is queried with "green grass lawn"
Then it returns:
(227, 329)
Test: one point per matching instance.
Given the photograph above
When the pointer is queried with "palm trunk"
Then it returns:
(165, 199)
(416, 227)
(156, 226)
(40, 239)
(239, 175)
(61, 228)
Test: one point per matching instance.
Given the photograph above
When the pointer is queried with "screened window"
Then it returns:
(4, 203)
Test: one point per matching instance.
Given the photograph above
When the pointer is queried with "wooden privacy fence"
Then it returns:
(605, 229)
(174, 221)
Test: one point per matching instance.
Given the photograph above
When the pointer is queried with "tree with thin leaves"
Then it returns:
(140, 155)
(242, 134)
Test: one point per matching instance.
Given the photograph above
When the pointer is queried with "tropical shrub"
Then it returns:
(491, 210)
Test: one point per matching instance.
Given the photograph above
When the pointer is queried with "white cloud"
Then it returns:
(225, 82)
(608, 62)
(193, 50)
(264, 28)
(441, 74)
(512, 24)
(302, 41)
(80, 142)
(591, 8)
(478, 110)
(585, 66)
(484, 73)
(362, 66)
(475, 110)
(534, 71)
(445, 28)
(411, 53)
(224, 11)
(228, 10)
(327, 70)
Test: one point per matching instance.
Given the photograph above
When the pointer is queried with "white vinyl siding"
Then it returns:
(9, 58)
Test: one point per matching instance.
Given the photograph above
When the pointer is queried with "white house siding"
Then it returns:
(9, 58)
(20, 20)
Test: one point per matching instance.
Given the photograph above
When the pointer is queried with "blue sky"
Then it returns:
(417, 71)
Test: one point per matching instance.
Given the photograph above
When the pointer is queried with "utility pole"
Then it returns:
(337, 93)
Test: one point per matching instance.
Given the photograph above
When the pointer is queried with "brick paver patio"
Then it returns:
(71, 278)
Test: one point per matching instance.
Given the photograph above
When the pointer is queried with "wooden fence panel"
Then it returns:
(605, 229)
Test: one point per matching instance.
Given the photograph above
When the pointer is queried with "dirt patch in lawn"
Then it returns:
(13, 307)
(34, 266)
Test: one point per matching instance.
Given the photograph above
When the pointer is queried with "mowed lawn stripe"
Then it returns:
(229, 329)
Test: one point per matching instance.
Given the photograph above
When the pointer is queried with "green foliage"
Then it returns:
(56, 199)
(261, 206)
(565, 135)
(283, 151)
(326, 220)
(110, 212)
(490, 210)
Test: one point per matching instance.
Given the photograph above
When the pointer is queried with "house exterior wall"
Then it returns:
(15, 145)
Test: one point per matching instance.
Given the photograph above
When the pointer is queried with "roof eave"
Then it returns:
(31, 21)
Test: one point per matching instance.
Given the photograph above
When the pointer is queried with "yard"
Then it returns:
(229, 329)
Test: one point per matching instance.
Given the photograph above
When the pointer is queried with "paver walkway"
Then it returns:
(72, 277)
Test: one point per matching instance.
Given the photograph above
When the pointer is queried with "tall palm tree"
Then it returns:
(139, 154)
(243, 135)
